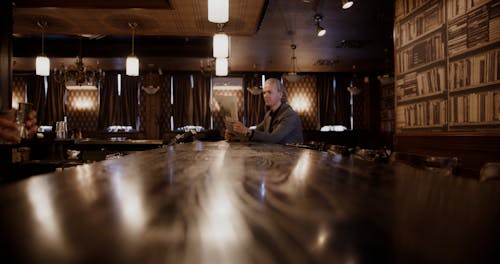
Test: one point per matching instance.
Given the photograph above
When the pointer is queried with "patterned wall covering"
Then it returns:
(302, 97)
(18, 91)
(154, 110)
(218, 121)
(83, 109)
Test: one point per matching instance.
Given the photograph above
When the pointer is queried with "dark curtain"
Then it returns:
(254, 103)
(108, 101)
(201, 100)
(183, 102)
(342, 96)
(35, 89)
(55, 108)
(326, 99)
(166, 106)
(128, 107)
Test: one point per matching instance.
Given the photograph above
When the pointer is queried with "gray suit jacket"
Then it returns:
(287, 127)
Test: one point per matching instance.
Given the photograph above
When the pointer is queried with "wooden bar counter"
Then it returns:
(219, 202)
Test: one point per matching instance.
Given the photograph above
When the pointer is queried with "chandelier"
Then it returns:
(207, 66)
(79, 76)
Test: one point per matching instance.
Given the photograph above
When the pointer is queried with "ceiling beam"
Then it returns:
(109, 47)
(95, 4)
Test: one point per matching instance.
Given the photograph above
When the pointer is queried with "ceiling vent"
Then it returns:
(327, 62)
(351, 44)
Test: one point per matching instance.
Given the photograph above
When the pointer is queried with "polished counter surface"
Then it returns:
(219, 202)
(118, 141)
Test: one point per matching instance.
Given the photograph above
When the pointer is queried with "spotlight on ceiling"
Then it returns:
(321, 31)
(346, 4)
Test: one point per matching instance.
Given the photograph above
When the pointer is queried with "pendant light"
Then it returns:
(42, 61)
(293, 76)
(132, 60)
(320, 31)
(218, 11)
(346, 4)
(221, 66)
(220, 43)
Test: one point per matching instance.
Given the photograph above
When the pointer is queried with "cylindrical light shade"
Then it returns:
(221, 45)
(221, 66)
(218, 11)
(42, 65)
(132, 66)
(347, 3)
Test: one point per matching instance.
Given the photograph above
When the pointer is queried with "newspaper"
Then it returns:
(228, 109)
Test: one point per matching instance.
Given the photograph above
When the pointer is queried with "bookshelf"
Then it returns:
(387, 115)
(447, 65)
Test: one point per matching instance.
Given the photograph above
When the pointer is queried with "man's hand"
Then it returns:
(227, 135)
(8, 131)
(31, 123)
(239, 128)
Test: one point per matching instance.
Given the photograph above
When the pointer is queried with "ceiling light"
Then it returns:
(221, 44)
(218, 11)
(42, 65)
(346, 4)
(221, 66)
(132, 67)
(321, 31)
(293, 76)
(79, 76)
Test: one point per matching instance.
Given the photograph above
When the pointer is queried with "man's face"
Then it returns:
(272, 97)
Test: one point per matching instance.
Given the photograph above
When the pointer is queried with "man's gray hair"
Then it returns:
(277, 83)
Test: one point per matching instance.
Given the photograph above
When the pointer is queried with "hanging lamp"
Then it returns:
(132, 68)
(42, 64)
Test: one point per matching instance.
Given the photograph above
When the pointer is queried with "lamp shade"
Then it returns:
(221, 66)
(42, 65)
(132, 66)
(321, 31)
(218, 11)
(347, 3)
(221, 45)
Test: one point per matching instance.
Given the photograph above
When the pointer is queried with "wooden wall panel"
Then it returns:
(473, 149)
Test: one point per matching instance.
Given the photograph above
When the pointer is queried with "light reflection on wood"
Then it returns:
(216, 202)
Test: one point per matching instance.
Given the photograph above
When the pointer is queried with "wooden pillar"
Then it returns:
(6, 23)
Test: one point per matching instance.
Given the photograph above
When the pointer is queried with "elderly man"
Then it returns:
(281, 123)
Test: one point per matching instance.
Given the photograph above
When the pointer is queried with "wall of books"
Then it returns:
(447, 65)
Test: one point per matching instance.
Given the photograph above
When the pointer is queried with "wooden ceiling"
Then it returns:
(176, 34)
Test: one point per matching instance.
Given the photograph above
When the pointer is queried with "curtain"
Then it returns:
(254, 103)
(342, 96)
(128, 106)
(183, 102)
(108, 101)
(55, 107)
(326, 99)
(35, 86)
(166, 107)
(201, 100)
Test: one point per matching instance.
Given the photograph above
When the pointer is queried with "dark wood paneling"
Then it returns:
(5, 54)
(96, 4)
(474, 149)
(118, 46)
